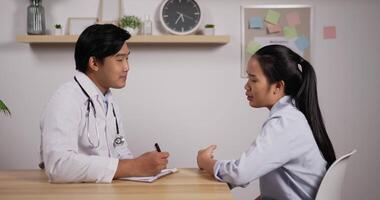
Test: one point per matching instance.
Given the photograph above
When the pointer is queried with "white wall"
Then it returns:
(188, 97)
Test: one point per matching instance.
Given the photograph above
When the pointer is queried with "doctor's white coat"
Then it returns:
(65, 147)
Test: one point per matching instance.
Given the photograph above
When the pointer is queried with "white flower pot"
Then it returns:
(132, 31)
(209, 31)
(58, 31)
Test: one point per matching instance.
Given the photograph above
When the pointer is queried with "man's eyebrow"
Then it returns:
(123, 54)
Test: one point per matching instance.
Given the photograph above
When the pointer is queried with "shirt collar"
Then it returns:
(284, 101)
(90, 87)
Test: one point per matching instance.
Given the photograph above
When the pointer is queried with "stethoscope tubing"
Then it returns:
(90, 104)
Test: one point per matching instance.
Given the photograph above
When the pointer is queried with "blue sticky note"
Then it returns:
(256, 23)
(302, 43)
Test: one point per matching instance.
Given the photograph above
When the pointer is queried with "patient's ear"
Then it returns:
(279, 88)
(93, 64)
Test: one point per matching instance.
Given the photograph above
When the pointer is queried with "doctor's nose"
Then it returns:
(126, 67)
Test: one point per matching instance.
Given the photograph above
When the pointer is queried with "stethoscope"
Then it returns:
(119, 140)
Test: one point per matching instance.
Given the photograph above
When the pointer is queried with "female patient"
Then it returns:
(292, 152)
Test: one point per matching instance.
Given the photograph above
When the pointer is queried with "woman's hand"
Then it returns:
(205, 159)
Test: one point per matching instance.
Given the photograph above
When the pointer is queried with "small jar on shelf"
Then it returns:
(147, 26)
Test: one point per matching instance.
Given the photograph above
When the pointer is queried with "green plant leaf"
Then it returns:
(209, 26)
(130, 21)
(4, 109)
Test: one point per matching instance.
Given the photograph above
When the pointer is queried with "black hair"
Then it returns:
(98, 41)
(280, 63)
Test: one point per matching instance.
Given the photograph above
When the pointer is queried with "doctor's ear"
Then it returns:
(93, 63)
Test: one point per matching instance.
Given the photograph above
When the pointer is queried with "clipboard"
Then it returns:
(151, 179)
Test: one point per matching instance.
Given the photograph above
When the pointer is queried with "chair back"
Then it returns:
(332, 182)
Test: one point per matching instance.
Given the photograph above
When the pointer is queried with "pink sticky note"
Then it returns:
(273, 28)
(293, 19)
(329, 32)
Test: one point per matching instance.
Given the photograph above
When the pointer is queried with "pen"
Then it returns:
(157, 147)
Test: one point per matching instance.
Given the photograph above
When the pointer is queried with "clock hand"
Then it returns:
(187, 16)
(183, 20)
(179, 17)
(183, 15)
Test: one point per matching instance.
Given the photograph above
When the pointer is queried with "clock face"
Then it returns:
(180, 16)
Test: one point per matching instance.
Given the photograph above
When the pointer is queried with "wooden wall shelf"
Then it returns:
(154, 39)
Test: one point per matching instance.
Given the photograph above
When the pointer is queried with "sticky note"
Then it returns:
(256, 23)
(272, 17)
(273, 28)
(302, 43)
(293, 19)
(329, 32)
(290, 32)
(252, 47)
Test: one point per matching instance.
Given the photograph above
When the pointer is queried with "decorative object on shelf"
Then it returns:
(147, 26)
(58, 29)
(131, 24)
(4, 109)
(181, 17)
(36, 18)
(209, 29)
(110, 11)
(78, 24)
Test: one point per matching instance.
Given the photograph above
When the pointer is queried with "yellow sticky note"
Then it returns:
(290, 32)
(272, 17)
(252, 47)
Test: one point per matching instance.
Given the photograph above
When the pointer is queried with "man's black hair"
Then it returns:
(98, 41)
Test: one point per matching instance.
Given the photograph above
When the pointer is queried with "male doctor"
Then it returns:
(82, 129)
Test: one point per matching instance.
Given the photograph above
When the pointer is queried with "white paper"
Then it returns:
(265, 41)
(150, 179)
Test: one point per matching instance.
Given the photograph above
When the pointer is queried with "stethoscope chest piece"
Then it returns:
(119, 140)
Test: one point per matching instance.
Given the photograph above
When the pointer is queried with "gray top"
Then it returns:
(284, 156)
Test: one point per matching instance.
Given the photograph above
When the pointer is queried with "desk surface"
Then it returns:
(185, 184)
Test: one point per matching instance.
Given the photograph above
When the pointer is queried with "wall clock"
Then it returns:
(181, 17)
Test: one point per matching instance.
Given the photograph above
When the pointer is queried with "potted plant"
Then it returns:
(4, 109)
(131, 24)
(209, 29)
(58, 29)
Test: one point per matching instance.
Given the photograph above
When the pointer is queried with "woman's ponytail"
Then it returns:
(307, 102)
